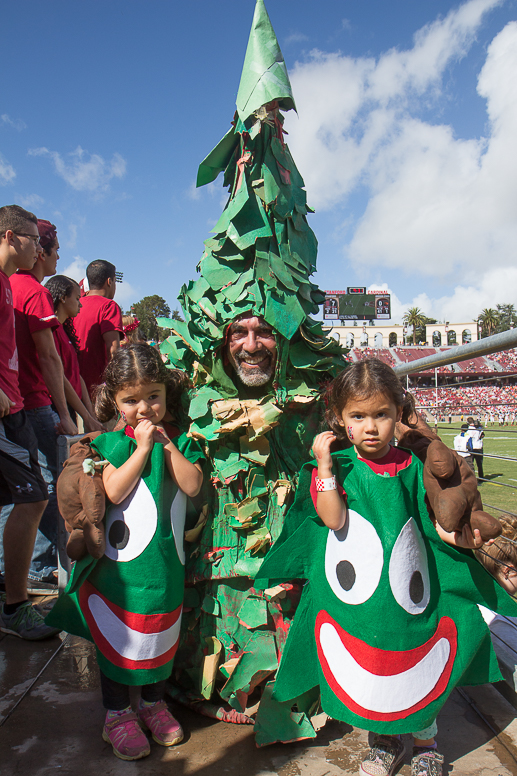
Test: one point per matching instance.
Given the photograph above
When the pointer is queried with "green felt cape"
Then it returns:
(129, 602)
(388, 624)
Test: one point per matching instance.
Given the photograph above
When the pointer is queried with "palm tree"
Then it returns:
(414, 317)
(488, 321)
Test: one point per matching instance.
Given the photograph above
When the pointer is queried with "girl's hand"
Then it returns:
(160, 435)
(321, 451)
(92, 424)
(468, 540)
(144, 433)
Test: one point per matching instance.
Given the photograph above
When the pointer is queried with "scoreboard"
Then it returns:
(356, 304)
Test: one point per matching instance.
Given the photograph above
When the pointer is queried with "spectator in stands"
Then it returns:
(132, 333)
(21, 481)
(66, 296)
(99, 323)
(41, 381)
(463, 446)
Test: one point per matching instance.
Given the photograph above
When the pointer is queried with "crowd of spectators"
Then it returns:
(50, 362)
(476, 400)
(507, 359)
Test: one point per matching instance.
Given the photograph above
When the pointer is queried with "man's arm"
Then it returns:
(90, 422)
(52, 371)
(112, 342)
(5, 404)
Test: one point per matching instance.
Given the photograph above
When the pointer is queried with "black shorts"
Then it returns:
(21, 481)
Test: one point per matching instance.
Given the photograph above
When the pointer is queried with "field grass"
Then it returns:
(499, 440)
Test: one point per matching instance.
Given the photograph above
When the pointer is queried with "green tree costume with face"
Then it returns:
(129, 602)
(388, 624)
(259, 263)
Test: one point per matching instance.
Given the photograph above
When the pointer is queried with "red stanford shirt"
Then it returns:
(68, 356)
(33, 311)
(97, 316)
(8, 349)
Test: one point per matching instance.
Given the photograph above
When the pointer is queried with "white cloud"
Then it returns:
(75, 270)
(17, 124)
(84, 171)
(295, 37)
(31, 201)
(438, 205)
(7, 172)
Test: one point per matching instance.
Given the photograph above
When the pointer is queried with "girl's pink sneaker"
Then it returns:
(125, 735)
(164, 728)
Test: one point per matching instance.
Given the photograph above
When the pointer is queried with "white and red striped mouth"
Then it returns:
(127, 639)
(383, 685)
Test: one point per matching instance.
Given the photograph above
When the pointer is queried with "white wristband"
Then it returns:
(328, 483)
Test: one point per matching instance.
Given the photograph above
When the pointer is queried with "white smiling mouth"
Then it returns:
(381, 684)
(127, 642)
(384, 694)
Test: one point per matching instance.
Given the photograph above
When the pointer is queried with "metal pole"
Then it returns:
(436, 390)
(508, 339)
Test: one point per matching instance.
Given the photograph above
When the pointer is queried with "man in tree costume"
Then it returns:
(258, 362)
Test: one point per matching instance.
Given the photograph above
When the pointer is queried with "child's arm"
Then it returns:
(187, 476)
(329, 504)
(463, 538)
(118, 483)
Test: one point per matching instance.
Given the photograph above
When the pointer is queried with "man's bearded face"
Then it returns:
(252, 350)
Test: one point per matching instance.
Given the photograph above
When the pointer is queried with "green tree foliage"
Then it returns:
(147, 310)
(488, 321)
(507, 317)
(415, 317)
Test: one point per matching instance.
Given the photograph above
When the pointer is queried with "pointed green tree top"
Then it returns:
(264, 74)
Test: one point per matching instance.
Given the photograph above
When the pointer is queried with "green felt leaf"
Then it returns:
(264, 74)
(253, 612)
(218, 159)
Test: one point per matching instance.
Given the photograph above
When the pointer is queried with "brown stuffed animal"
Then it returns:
(450, 484)
(82, 501)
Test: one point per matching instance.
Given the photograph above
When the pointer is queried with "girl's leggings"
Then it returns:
(115, 696)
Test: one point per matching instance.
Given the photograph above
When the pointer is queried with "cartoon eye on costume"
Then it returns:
(353, 560)
(131, 525)
(178, 511)
(409, 572)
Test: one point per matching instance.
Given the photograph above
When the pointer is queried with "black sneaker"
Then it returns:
(384, 757)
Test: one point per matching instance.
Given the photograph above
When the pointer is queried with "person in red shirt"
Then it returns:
(99, 323)
(42, 385)
(21, 481)
(66, 296)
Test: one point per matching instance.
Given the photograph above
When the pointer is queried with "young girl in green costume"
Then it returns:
(388, 623)
(130, 601)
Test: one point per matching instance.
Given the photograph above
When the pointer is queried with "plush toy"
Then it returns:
(450, 484)
(81, 500)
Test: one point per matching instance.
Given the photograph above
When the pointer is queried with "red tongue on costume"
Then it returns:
(370, 681)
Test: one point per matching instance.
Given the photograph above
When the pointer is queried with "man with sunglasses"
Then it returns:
(21, 481)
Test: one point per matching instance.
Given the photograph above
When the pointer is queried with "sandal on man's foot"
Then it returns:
(384, 757)
(426, 762)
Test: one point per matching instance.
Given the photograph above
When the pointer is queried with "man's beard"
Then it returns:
(259, 375)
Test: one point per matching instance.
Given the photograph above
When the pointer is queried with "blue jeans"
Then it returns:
(44, 558)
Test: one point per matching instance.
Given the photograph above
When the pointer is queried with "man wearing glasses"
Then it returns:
(21, 482)
(41, 381)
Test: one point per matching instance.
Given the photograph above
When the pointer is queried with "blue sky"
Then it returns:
(405, 135)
